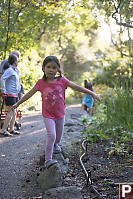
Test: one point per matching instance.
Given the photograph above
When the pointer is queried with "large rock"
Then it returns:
(63, 193)
(50, 178)
(63, 163)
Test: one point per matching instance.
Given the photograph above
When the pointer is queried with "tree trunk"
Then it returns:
(121, 42)
(8, 27)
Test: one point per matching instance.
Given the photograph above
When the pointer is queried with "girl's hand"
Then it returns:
(96, 97)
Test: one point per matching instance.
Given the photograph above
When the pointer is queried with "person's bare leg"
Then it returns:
(7, 120)
(89, 110)
(12, 122)
(82, 106)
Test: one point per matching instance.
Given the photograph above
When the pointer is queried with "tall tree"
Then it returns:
(115, 8)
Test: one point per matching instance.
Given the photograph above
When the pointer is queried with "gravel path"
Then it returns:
(20, 154)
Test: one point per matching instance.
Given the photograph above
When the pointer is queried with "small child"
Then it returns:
(88, 99)
(52, 88)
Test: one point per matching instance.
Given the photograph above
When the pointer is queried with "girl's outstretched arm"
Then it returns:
(83, 90)
(25, 97)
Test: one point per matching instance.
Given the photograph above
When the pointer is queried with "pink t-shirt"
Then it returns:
(53, 97)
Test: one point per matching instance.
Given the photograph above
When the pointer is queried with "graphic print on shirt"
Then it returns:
(52, 96)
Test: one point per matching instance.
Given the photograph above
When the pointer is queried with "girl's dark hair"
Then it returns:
(88, 85)
(50, 59)
(85, 83)
(6, 66)
(12, 58)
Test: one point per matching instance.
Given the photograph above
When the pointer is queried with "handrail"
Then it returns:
(88, 173)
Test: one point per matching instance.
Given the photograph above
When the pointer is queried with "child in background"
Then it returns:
(53, 88)
(10, 86)
(88, 99)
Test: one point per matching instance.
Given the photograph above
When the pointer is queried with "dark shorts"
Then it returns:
(9, 101)
(85, 107)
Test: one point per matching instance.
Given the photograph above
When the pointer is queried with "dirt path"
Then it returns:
(19, 156)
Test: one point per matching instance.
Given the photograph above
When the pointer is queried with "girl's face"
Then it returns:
(50, 70)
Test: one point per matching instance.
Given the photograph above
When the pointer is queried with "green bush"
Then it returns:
(119, 110)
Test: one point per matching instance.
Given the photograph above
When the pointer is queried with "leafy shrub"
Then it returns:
(119, 110)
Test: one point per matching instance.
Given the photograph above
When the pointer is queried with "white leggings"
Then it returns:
(54, 133)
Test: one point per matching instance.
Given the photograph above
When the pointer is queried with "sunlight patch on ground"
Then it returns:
(73, 106)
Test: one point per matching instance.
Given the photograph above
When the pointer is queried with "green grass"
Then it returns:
(112, 121)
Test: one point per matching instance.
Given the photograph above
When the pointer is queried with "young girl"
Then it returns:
(88, 99)
(53, 88)
(10, 86)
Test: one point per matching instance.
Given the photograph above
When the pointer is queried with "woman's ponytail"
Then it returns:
(6, 66)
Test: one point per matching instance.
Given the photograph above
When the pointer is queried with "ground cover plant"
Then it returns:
(109, 155)
(112, 120)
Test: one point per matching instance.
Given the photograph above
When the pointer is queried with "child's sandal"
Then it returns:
(51, 163)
